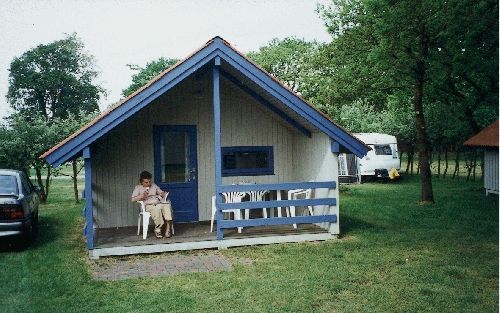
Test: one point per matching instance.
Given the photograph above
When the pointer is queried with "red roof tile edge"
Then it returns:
(488, 137)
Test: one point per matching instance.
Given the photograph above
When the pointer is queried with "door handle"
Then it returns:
(192, 174)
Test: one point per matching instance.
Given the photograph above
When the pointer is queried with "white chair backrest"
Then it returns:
(299, 192)
(232, 197)
(258, 195)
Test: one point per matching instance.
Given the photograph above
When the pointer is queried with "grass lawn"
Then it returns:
(394, 256)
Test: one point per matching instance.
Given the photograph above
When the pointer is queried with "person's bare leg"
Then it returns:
(168, 229)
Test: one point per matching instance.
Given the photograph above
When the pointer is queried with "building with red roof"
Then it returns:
(487, 139)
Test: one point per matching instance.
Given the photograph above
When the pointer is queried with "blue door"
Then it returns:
(176, 168)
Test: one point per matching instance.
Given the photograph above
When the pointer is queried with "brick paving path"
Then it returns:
(159, 266)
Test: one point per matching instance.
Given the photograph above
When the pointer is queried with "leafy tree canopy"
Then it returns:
(144, 74)
(293, 61)
(375, 49)
(54, 80)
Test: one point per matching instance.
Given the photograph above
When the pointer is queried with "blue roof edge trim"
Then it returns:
(216, 48)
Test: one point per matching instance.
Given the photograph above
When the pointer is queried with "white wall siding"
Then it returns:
(246, 123)
(491, 171)
(314, 161)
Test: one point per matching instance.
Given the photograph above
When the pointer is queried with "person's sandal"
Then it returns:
(168, 233)
(158, 235)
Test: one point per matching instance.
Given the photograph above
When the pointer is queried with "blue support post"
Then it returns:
(217, 143)
(89, 221)
(335, 146)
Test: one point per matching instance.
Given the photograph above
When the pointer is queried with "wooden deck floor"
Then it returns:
(194, 232)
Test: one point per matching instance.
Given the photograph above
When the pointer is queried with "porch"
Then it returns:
(192, 236)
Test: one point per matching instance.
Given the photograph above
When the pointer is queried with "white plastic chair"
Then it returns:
(294, 195)
(144, 217)
(229, 197)
(257, 196)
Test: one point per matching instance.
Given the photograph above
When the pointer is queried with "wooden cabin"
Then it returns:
(487, 139)
(213, 123)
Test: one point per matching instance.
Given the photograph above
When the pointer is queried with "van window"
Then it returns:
(395, 151)
(383, 150)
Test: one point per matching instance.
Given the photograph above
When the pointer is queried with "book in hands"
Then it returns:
(165, 197)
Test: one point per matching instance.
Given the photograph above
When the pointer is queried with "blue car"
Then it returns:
(19, 203)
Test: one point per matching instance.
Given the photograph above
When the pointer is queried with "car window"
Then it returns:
(31, 184)
(8, 185)
(26, 185)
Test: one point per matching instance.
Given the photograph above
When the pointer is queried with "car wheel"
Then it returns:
(31, 231)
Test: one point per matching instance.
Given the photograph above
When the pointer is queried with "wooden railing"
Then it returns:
(223, 224)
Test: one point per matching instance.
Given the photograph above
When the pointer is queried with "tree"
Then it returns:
(416, 48)
(144, 74)
(51, 89)
(467, 60)
(53, 80)
(301, 66)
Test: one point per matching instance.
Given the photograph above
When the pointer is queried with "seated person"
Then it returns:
(151, 194)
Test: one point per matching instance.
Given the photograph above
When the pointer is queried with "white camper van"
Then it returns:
(381, 159)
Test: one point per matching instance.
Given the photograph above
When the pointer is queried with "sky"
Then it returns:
(124, 32)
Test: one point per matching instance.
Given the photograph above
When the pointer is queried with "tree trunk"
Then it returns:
(474, 164)
(411, 165)
(482, 166)
(407, 162)
(75, 183)
(457, 165)
(423, 144)
(468, 166)
(411, 155)
(47, 182)
(43, 195)
(445, 161)
(439, 163)
(431, 158)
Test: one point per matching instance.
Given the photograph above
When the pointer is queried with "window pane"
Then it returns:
(229, 161)
(247, 161)
(174, 157)
(383, 150)
(8, 185)
(394, 152)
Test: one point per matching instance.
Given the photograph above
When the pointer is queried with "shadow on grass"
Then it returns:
(350, 225)
(48, 230)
